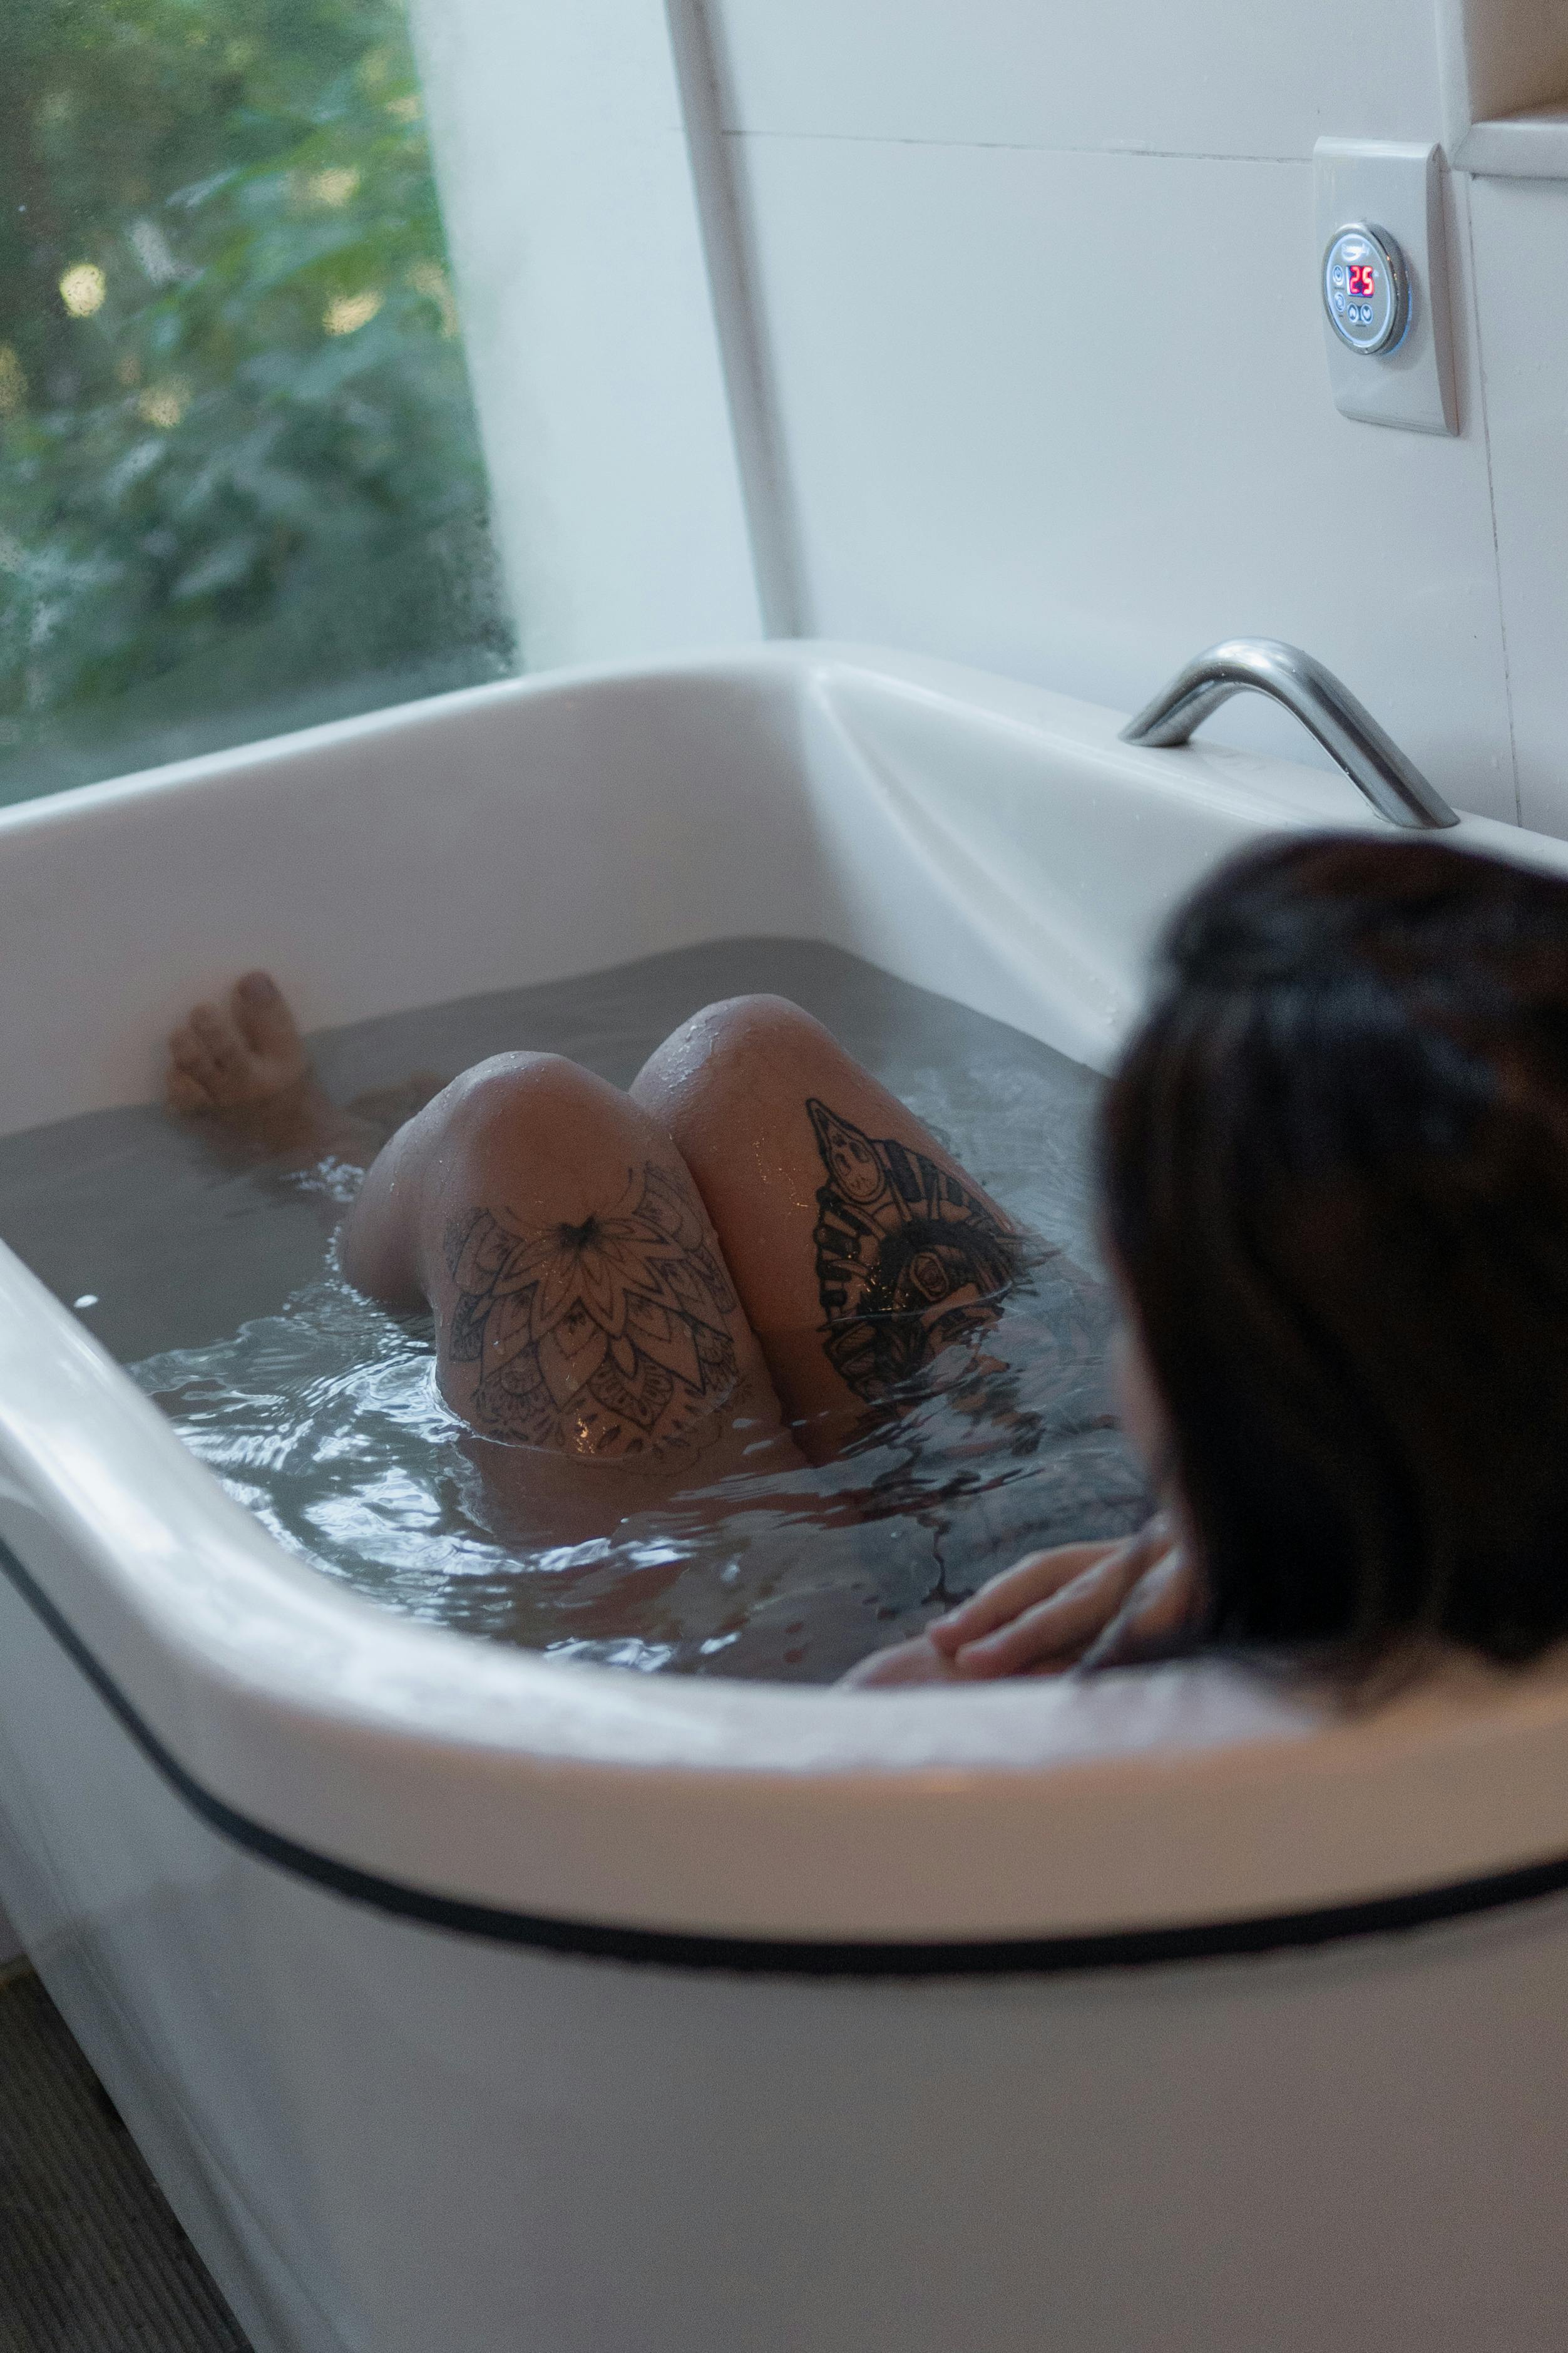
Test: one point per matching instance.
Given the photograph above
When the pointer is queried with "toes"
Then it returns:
(184, 1093)
(265, 1022)
(225, 1058)
(222, 1044)
(188, 1054)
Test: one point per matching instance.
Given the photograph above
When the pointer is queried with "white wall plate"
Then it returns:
(1398, 190)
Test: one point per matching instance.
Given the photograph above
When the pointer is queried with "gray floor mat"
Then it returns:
(91, 2259)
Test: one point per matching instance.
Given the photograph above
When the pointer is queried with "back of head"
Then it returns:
(1335, 1170)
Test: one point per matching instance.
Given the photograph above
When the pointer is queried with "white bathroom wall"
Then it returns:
(1040, 297)
(1522, 275)
(1240, 78)
(1500, 58)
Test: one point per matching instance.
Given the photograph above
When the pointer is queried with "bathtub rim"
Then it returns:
(1246, 1937)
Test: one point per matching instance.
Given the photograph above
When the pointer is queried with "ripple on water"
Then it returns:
(324, 1420)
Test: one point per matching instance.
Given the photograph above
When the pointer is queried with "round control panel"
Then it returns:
(1366, 288)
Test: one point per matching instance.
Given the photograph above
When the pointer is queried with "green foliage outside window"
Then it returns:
(240, 484)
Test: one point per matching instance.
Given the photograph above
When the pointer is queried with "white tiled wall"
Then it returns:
(1039, 296)
(1247, 78)
(1521, 229)
(1046, 467)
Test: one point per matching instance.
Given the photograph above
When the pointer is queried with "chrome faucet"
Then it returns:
(1328, 711)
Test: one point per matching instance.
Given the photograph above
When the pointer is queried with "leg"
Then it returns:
(581, 1299)
(859, 1248)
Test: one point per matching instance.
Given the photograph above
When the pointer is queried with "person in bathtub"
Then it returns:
(1334, 1179)
(636, 1292)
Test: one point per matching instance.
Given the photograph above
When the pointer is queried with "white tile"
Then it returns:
(1068, 418)
(1215, 76)
(1514, 53)
(1521, 233)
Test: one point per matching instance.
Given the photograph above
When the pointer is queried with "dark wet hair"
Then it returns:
(1334, 1166)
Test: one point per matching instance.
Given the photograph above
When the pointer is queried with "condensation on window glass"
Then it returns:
(241, 488)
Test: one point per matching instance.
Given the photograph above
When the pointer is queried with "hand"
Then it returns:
(1090, 1603)
(915, 1661)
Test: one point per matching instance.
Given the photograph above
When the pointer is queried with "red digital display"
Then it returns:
(1362, 281)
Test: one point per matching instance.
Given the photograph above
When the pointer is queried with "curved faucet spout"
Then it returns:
(1328, 710)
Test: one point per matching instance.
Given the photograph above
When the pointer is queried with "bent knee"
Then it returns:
(758, 1014)
(734, 1065)
(541, 1101)
(737, 1033)
(522, 1082)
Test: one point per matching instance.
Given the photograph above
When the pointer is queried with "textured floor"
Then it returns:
(92, 2260)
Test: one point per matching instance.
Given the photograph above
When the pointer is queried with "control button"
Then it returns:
(1376, 313)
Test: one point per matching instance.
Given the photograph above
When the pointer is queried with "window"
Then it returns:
(240, 482)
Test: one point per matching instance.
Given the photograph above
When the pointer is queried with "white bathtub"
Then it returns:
(461, 2000)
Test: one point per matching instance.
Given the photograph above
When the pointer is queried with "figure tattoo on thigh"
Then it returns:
(909, 1258)
(604, 1338)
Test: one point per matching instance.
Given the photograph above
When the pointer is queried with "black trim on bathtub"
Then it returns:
(673, 1948)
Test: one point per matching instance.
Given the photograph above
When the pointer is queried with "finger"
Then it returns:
(1056, 1628)
(262, 1017)
(187, 1054)
(184, 1093)
(1163, 1601)
(1041, 1573)
(914, 1661)
(1002, 1597)
(1064, 1624)
(220, 1038)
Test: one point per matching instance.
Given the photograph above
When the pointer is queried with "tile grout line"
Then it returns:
(1004, 146)
(1491, 498)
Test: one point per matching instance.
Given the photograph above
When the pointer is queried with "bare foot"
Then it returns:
(248, 1052)
(245, 1067)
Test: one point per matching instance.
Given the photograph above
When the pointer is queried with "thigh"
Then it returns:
(580, 1293)
(859, 1246)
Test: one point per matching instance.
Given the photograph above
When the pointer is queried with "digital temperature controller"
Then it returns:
(1366, 289)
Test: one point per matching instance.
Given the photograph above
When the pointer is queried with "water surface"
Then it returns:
(318, 1410)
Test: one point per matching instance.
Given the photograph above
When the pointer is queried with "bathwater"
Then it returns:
(214, 1283)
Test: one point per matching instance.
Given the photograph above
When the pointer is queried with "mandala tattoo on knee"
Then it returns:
(908, 1260)
(605, 1338)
